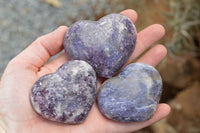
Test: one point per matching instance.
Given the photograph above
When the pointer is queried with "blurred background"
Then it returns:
(22, 21)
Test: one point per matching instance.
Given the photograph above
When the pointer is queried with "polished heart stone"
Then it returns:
(67, 95)
(105, 44)
(131, 96)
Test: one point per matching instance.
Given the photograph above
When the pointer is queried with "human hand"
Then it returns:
(16, 112)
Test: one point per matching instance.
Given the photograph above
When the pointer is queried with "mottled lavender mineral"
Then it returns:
(131, 96)
(67, 95)
(105, 44)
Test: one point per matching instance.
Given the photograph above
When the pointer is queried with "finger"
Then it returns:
(154, 56)
(131, 14)
(39, 52)
(162, 111)
(145, 39)
(53, 65)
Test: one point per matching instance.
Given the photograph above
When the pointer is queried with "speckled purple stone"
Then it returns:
(105, 44)
(67, 95)
(131, 96)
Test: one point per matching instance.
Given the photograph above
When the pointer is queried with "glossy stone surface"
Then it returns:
(67, 95)
(131, 96)
(105, 44)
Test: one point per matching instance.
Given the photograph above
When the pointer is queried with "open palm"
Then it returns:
(16, 113)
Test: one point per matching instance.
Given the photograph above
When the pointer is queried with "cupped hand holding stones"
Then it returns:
(16, 112)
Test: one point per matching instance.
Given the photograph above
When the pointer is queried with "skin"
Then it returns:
(16, 113)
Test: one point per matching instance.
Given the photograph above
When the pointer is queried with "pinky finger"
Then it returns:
(154, 56)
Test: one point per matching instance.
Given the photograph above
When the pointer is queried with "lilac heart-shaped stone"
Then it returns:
(105, 44)
(131, 96)
(67, 95)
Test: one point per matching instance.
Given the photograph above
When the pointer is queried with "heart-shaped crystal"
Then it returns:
(131, 96)
(67, 95)
(105, 44)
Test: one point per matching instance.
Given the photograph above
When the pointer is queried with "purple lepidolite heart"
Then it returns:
(67, 95)
(105, 44)
(131, 96)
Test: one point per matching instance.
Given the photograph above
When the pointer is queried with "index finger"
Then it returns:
(40, 51)
(131, 14)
